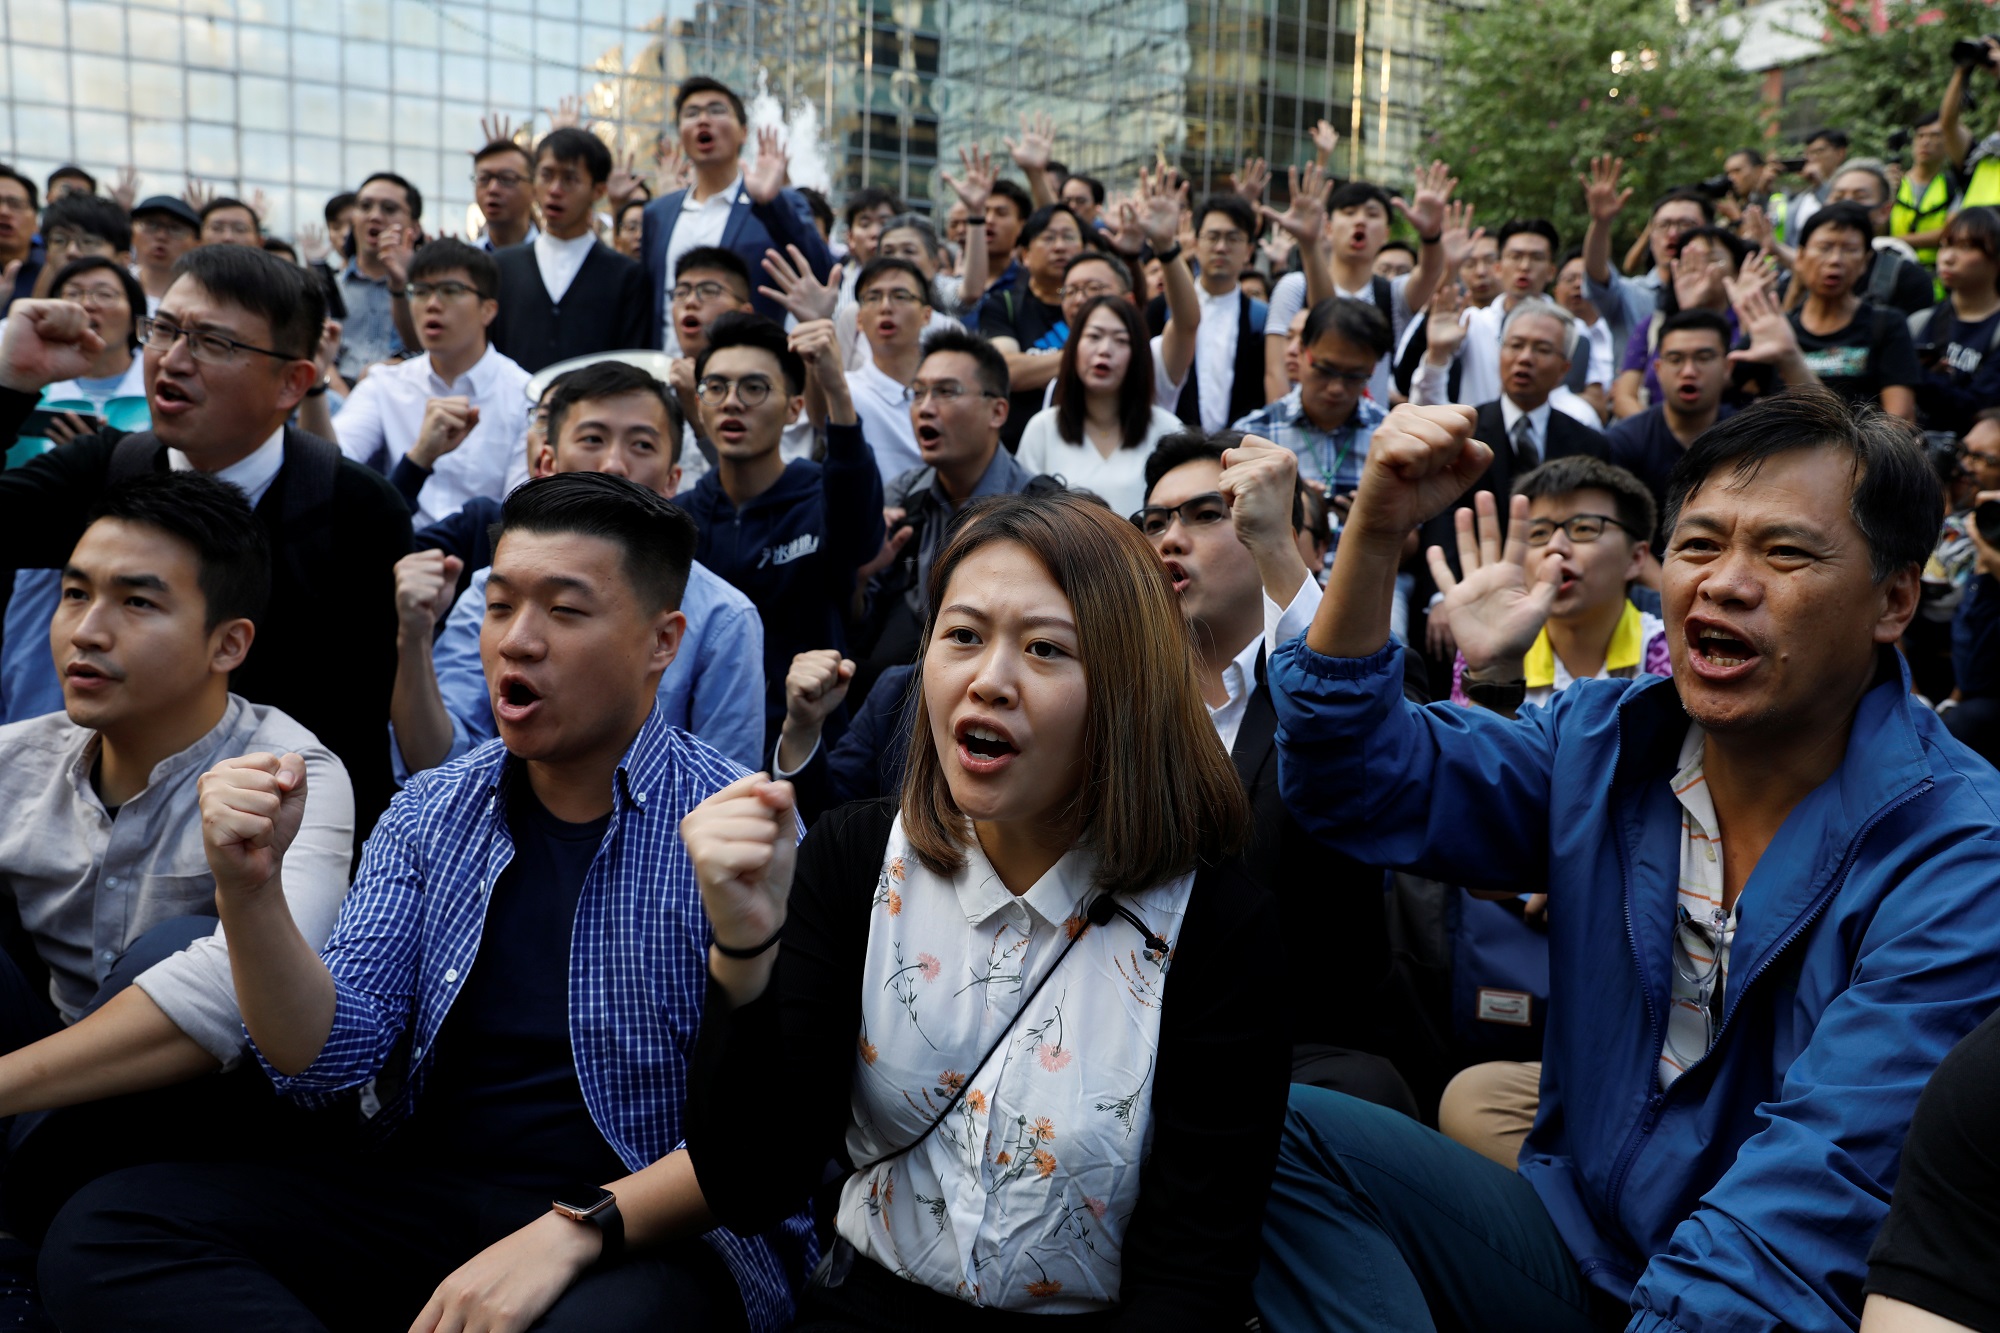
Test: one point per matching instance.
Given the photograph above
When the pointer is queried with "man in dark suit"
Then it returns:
(1523, 426)
(566, 293)
(227, 360)
(745, 212)
(1225, 521)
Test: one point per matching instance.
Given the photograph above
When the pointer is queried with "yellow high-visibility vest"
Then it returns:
(1911, 214)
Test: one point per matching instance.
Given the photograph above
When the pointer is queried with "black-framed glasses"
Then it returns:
(1084, 291)
(1353, 379)
(1581, 529)
(511, 179)
(900, 297)
(450, 291)
(1200, 511)
(158, 335)
(700, 291)
(945, 391)
(751, 390)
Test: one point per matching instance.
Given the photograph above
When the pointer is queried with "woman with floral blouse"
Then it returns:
(1024, 1007)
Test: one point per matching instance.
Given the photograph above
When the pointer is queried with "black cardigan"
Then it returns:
(770, 1089)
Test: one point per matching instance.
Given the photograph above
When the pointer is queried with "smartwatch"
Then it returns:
(597, 1207)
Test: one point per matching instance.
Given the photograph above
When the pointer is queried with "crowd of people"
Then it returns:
(650, 768)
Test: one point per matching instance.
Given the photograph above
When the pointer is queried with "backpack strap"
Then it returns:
(1882, 278)
(1385, 298)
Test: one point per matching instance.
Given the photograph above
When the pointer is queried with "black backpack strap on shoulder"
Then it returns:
(1385, 298)
(134, 456)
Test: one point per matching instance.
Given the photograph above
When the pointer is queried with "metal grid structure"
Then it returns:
(301, 98)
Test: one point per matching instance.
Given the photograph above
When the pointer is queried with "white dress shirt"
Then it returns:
(1215, 354)
(1538, 424)
(560, 261)
(700, 223)
(1119, 478)
(252, 474)
(1166, 390)
(883, 407)
(1479, 372)
(1281, 625)
(386, 413)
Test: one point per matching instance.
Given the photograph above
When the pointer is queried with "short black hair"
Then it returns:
(448, 253)
(657, 536)
(1404, 246)
(571, 144)
(1232, 206)
(882, 264)
(715, 259)
(1756, 155)
(91, 214)
(8, 173)
(223, 201)
(498, 146)
(822, 211)
(1192, 446)
(281, 247)
(1697, 320)
(72, 169)
(411, 195)
(1016, 194)
(1928, 118)
(1897, 504)
(992, 365)
(286, 296)
(1581, 472)
(618, 219)
(701, 83)
(213, 517)
(609, 379)
(1685, 194)
(1846, 213)
(1738, 248)
(867, 197)
(337, 205)
(135, 295)
(1541, 227)
(1359, 322)
(1119, 265)
(1090, 183)
(1039, 220)
(1831, 136)
(1356, 193)
(741, 328)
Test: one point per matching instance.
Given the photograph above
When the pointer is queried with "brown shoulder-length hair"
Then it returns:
(1159, 794)
(1135, 394)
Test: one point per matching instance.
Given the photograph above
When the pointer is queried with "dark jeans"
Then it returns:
(351, 1242)
(1375, 1222)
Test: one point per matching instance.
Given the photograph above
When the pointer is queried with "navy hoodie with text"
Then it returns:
(793, 551)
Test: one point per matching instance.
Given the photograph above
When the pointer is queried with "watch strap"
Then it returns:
(1502, 696)
(604, 1215)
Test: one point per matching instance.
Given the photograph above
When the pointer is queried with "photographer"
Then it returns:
(1980, 163)
(1928, 192)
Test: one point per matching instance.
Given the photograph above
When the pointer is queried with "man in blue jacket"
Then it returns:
(792, 537)
(748, 212)
(1770, 902)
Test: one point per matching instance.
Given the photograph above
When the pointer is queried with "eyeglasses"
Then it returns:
(511, 179)
(1982, 458)
(1230, 237)
(707, 111)
(550, 175)
(1523, 258)
(388, 208)
(1353, 379)
(751, 390)
(161, 227)
(214, 348)
(1084, 291)
(1675, 226)
(901, 297)
(945, 391)
(450, 291)
(16, 203)
(700, 291)
(92, 298)
(1675, 360)
(1698, 962)
(1202, 511)
(1581, 529)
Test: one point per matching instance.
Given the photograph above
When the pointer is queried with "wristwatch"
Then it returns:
(1168, 255)
(1500, 696)
(596, 1207)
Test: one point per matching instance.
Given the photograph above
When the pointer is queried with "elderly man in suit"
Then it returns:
(749, 213)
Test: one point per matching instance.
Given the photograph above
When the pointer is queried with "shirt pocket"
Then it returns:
(164, 897)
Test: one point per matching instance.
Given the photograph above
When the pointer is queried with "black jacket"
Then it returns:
(1246, 387)
(325, 650)
(608, 308)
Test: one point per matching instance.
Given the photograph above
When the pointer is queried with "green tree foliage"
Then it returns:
(1873, 83)
(1529, 99)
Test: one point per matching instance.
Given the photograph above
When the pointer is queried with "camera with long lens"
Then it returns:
(1973, 52)
(1715, 187)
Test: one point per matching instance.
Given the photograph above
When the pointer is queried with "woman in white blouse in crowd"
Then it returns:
(1103, 423)
(1022, 1007)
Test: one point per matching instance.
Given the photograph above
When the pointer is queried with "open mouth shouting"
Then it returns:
(731, 430)
(984, 746)
(1178, 573)
(171, 398)
(514, 699)
(929, 436)
(1720, 652)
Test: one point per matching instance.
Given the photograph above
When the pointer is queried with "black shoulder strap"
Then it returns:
(134, 456)
(1385, 298)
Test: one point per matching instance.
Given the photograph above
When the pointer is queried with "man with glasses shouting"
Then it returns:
(228, 358)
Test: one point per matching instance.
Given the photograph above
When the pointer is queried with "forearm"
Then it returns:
(1032, 370)
(1318, 274)
(797, 743)
(1276, 383)
(406, 327)
(1597, 250)
(1423, 283)
(129, 1045)
(977, 271)
(839, 407)
(1625, 392)
(1794, 371)
(1039, 188)
(1956, 142)
(1280, 568)
(1183, 318)
(284, 990)
(416, 707)
(316, 415)
(1353, 619)
(662, 1203)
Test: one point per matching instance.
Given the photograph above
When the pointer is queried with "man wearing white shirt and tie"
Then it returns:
(445, 426)
(1528, 249)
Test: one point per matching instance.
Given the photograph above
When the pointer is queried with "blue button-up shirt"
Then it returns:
(714, 687)
(1331, 457)
(368, 334)
(409, 932)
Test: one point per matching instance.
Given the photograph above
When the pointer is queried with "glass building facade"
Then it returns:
(298, 99)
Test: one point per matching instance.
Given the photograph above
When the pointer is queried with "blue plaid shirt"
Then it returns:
(1332, 457)
(409, 931)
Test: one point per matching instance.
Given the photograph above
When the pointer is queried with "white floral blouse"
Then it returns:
(1021, 1198)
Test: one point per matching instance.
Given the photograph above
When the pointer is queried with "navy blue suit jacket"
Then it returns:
(752, 229)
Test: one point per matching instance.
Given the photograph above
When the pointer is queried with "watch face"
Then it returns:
(582, 1203)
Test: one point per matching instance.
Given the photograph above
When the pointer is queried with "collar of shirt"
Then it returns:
(871, 377)
(1218, 303)
(534, 234)
(560, 260)
(1055, 897)
(90, 744)
(1511, 412)
(474, 383)
(252, 474)
(1003, 476)
(1239, 679)
(723, 198)
(353, 273)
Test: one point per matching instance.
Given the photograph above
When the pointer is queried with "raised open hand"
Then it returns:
(1601, 194)
(1773, 342)
(767, 175)
(495, 127)
(126, 192)
(568, 114)
(676, 172)
(1444, 334)
(624, 183)
(313, 243)
(1036, 147)
(1325, 138)
(1497, 606)
(198, 193)
(1251, 179)
(797, 289)
(1426, 210)
(1163, 194)
(1459, 235)
(974, 186)
(1306, 217)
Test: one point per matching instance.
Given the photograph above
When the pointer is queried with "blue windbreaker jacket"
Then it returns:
(1744, 1197)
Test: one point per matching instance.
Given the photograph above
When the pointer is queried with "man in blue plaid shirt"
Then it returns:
(1328, 417)
(512, 987)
